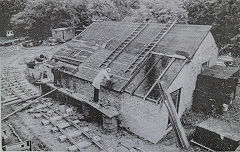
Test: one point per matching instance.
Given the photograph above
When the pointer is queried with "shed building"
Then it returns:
(176, 60)
(63, 34)
(9, 33)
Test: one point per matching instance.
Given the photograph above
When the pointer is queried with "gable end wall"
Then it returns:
(186, 79)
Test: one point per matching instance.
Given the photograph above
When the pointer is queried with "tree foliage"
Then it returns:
(224, 15)
(114, 10)
(160, 11)
(40, 16)
(7, 9)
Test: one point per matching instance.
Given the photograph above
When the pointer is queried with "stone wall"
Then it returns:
(143, 118)
(86, 88)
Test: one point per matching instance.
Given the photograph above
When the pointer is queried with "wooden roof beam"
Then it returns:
(158, 79)
(176, 56)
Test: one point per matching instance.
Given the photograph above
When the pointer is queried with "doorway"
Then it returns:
(176, 95)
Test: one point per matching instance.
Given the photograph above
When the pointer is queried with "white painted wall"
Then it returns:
(144, 118)
(186, 79)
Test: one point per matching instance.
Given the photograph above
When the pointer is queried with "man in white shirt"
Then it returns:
(103, 74)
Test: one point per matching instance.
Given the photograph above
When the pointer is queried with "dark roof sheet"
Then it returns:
(220, 72)
(185, 38)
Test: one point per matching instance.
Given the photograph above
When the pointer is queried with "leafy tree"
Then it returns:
(40, 16)
(135, 4)
(161, 11)
(103, 10)
(111, 9)
(7, 9)
(224, 15)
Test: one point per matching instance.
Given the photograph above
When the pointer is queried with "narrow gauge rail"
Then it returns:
(79, 137)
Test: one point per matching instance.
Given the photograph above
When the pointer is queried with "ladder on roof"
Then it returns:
(124, 44)
(145, 52)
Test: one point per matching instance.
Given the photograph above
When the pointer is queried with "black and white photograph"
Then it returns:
(120, 75)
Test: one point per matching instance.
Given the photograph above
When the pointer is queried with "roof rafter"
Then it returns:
(158, 79)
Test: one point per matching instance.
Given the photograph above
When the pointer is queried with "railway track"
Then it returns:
(9, 133)
(14, 88)
(81, 138)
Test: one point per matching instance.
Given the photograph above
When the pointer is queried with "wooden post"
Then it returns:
(109, 124)
(40, 89)
(175, 121)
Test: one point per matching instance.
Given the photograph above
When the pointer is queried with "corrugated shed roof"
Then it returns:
(220, 72)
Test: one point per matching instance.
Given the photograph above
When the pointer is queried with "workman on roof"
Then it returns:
(57, 75)
(101, 76)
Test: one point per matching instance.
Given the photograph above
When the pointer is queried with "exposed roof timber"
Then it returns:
(151, 68)
(149, 48)
(176, 56)
(134, 74)
(68, 60)
(179, 71)
(148, 99)
(72, 59)
(79, 49)
(158, 79)
(73, 52)
(77, 53)
(196, 143)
